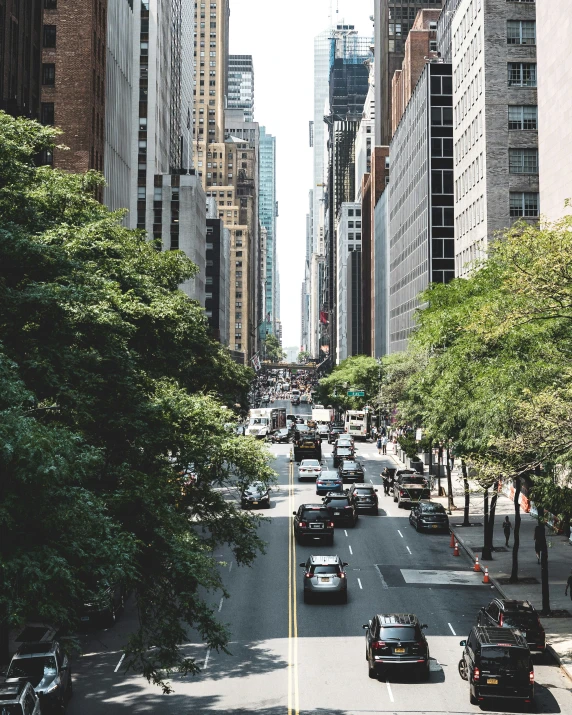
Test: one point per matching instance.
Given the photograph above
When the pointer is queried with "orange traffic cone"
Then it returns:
(486, 578)
(456, 550)
(452, 540)
(477, 564)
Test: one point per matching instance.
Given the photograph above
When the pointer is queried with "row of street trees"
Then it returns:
(111, 392)
(489, 369)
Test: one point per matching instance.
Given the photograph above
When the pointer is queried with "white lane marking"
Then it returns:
(383, 583)
(452, 631)
(230, 567)
(205, 664)
(370, 481)
(408, 549)
(400, 534)
(389, 691)
(351, 552)
(220, 604)
(119, 664)
(345, 532)
(359, 584)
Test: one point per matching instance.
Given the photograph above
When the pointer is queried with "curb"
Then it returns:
(565, 664)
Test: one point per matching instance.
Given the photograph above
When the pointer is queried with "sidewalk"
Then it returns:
(558, 629)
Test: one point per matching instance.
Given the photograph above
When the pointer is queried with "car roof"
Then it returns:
(350, 461)
(397, 619)
(36, 648)
(316, 559)
(491, 635)
(312, 506)
(512, 605)
(336, 495)
(371, 487)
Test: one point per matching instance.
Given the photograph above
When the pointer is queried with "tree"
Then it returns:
(303, 356)
(111, 395)
(272, 349)
(359, 372)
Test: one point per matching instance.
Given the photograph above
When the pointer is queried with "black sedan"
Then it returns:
(430, 516)
(282, 436)
(334, 433)
(350, 470)
(256, 494)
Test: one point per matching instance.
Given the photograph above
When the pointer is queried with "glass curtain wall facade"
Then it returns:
(267, 216)
(241, 85)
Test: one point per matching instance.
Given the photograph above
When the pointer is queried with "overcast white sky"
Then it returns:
(279, 34)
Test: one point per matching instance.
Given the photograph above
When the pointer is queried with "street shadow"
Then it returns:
(404, 674)
(544, 702)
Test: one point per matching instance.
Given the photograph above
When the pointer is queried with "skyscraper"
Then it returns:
(241, 85)
(267, 215)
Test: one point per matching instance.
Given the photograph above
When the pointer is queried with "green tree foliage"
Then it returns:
(116, 460)
(303, 356)
(359, 372)
(272, 349)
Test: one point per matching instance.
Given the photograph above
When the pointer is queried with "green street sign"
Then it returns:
(356, 393)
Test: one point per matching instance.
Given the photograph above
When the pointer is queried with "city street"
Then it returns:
(289, 657)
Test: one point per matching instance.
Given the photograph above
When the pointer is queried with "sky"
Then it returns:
(279, 34)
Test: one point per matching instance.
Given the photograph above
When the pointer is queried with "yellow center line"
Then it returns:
(293, 690)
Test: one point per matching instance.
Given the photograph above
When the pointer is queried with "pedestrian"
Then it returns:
(569, 585)
(379, 446)
(539, 540)
(507, 528)
(374, 433)
(384, 445)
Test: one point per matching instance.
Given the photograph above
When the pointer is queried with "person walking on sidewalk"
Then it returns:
(379, 445)
(507, 528)
(384, 445)
(539, 540)
(569, 586)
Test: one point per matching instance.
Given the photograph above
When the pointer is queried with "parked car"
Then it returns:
(329, 482)
(396, 639)
(498, 665)
(430, 516)
(325, 576)
(313, 521)
(410, 488)
(365, 496)
(522, 615)
(47, 668)
(350, 470)
(257, 495)
(19, 698)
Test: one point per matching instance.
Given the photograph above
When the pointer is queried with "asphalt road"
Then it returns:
(288, 657)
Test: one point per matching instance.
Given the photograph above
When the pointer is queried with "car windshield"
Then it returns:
(336, 503)
(330, 476)
(316, 514)
(256, 488)
(363, 491)
(344, 450)
(350, 465)
(494, 657)
(397, 633)
(310, 463)
(326, 568)
(34, 668)
(433, 509)
(518, 619)
(406, 479)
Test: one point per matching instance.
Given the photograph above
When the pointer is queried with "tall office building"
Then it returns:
(267, 215)
(393, 20)
(306, 283)
(495, 118)
(21, 36)
(241, 85)
(348, 281)
(554, 91)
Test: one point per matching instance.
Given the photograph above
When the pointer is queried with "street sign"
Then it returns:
(356, 393)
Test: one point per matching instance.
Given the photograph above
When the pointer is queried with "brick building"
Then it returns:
(73, 80)
(20, 47)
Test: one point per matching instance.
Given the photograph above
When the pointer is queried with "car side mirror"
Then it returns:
(482, 609)
(302, 565)
(463, 643)
(345, 563)
(365, 626)
(294, 513)
(375, 490)
(424, 626)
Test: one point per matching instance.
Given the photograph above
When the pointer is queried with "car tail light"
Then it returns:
(401, 493)
(378, 645)
(531, 677)
(501, 619)
(308, 574)
(303, 524)
(341, 574)
(476, 675)
(331, 524)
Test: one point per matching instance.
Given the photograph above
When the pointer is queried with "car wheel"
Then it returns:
(472, 698)
(463, 671)
(417, 526)
(371, 671)
(426, 670)
(376, 511)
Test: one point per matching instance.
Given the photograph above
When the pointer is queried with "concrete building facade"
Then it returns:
(554, 30)
(495, 122)
(380, 278)
(348, 328)
(420, 202)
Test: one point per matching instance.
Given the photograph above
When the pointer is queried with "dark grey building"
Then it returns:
(21, 34)
(217, 278)
(380, 297)
(393, 20)
(421, 200)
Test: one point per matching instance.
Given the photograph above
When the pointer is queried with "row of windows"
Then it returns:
(469, 138)
(470, 177)
(468, 98)
(472, 216)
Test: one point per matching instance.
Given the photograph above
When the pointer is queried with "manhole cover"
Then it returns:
(525, 581)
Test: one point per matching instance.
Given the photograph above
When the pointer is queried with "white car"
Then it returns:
(309, 469)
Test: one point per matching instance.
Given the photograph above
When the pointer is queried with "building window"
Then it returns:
(49, 35)
(442, 116)
(47, 113)
(48, 74)
(441, 84)
(521, 32)
(524, 204)
(443, 216)
(523, 161)
(523, 117)
(441, 182)
(522, 74)
(432, 45)
(441, 147)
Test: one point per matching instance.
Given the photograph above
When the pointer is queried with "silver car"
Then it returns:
(325, 576)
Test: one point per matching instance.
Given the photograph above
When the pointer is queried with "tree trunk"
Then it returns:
(466, 521)
(439, 468)
(487, 553)
(544, 565)
(516, 532)
(449, 483)
(491, 525)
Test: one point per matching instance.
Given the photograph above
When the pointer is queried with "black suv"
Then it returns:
(350, 470)
(429, 515)
(497, 663)
(19, 698)
(315, 522)
(342, 509)
(396, 639)
(365, 497)
(520, 615)
(47, 668)
(341, 453)
(334, 432)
